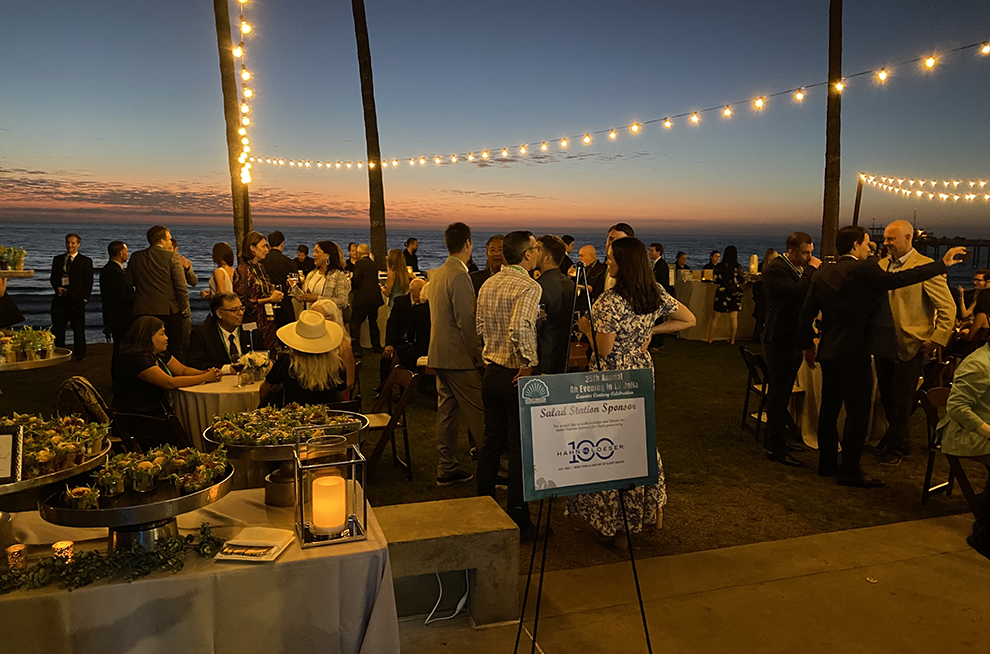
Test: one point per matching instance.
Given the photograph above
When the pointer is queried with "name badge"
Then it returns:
(65, 280)
(269, 310)
(249, 326)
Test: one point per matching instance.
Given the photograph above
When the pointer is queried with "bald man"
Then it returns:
(596, 270)
(924, 317)
(407, 332)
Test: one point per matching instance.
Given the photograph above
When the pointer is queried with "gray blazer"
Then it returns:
(159, 282)
(454, 342)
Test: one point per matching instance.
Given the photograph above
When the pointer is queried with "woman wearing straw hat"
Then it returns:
(312, 371)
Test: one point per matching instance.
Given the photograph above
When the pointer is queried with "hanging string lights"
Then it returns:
(693, 117)
(930, 189)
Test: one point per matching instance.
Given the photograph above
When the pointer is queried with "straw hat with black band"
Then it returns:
(312, 333)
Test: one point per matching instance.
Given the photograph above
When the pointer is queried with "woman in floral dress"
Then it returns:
(624, 318)
(252, 285)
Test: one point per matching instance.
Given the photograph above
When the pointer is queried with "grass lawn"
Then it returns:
(721, 489)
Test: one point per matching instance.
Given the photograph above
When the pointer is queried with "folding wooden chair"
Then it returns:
(389, 414)
(931, 401)
(756, 382)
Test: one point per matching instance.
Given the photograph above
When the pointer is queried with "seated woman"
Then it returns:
(312, 371)
(332, 312)
(966, 432)
(144, 372)
(972, 337)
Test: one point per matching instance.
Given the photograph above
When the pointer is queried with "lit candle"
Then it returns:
(62, 549)
(15, 557)
(329, 505)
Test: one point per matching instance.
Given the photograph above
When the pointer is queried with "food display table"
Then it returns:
(60, 356)
(337, 598)
(807, 407)
(196, 406)
(699, 297)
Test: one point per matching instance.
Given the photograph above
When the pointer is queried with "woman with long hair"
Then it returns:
(728, 292)
(257, 292)
(624, 320)
(397, 281)
(222, 279)
(144, 371)
(327, 279)
(313, 370)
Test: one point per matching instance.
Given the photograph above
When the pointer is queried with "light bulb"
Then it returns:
(238, 49)
(348, 164)
(245, 108)
(337, 165)
(564, 143)
(245, 27)
(453, 158)
(248, 92)
(241, 131)
(882, 75)
(252, 159)
(242, 1)
(918, 193)
(634, 127)
(799, 96)
(759, 103)
(245, 141)
(505, 152)
(319, 164)
(667, 123)
(371, 164)
(543, 146)
(985, 49)
(308, 164)
(587, 139)
(412, 162)
(695, 118)
(395, 162)
(522, 149)
(839, 86)
(436, 160)
(245, 74)
(247, 148)
(611, 134)
(292, 163)
(422, 161)
(727, 111)
(384, 165)
(930, 62)
(484, 154)
(360, 164)
(470, 157)
(242, 158)
(245, 121)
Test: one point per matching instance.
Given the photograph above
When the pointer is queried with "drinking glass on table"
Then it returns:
(238, 368)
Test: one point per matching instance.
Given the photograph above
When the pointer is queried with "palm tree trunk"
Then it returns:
(833, 123)
(231, 113)
(376, 189)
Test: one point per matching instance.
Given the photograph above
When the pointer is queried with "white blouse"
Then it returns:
(335, 285)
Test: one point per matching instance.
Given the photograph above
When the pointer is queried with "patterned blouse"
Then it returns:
(251, 283)
(614, 315)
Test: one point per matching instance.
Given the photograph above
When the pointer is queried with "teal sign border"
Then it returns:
(558, 389)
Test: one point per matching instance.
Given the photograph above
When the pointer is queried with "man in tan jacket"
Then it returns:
(924, 317)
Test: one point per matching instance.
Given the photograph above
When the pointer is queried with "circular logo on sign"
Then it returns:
(535, 389)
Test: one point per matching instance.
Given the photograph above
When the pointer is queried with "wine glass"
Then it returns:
(237, 367)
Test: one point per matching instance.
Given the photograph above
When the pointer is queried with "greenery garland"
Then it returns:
(129, 564)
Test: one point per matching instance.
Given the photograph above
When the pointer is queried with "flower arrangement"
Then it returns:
(57, 444)
(254, 360)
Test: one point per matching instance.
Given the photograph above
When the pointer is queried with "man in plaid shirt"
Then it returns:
(508, 308)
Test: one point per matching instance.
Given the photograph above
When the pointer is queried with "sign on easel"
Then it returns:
(584, 432)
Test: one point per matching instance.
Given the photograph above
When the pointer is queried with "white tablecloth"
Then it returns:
(197, 405)
(336, 598)
(805, 408)
(699, 297)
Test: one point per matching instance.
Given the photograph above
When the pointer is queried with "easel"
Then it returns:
(581, 274)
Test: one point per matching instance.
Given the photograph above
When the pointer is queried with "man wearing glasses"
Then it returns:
(967, 299)
(219, 340)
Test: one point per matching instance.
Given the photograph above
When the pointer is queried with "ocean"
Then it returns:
(45, 241)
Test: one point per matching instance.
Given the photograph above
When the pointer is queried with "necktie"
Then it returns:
(235, 354)
(68, 262)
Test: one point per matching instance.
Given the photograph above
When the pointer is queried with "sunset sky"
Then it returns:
(111, 111)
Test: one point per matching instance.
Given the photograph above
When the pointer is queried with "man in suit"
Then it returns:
(856, 322)
(553, 337)
(493, 250)
(279, 267)
(786, 281)
(924, 317)
(407, 333)
(367, 299)
(455, 353)
(661, 271)
(72, 281)
(219, 341)
(567, 263)
(412, 245)
(159, 281)
(117, 297)
(304, 262)
(594, 269)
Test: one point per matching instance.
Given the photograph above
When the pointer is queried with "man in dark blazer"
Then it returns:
(493, 263)
(407, 333)
(159, 281)
(661, 271)
(117, 297)
(279, 267)
(553, 331)
(304, 262)
(219, 341)
(786, 281)
(594, 269)
(412, 259)
(856, 322)
(367, 299)
(72, 281)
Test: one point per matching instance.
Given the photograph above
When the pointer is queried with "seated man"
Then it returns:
(407, 333)
(220, 339)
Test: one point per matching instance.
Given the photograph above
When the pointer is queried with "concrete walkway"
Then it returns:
(907, 587)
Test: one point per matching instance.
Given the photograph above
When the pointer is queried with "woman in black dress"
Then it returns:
(728, 292)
